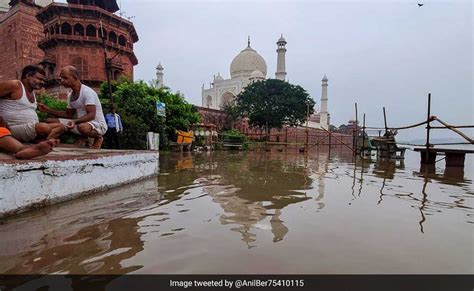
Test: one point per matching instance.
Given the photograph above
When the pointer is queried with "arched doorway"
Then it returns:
(227, 97)
(208, 101)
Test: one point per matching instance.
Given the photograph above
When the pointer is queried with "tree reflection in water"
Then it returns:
(88, 236)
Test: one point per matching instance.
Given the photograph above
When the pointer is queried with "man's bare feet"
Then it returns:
(97, 143)
(36, 150)
(43, 147)
(53, 142)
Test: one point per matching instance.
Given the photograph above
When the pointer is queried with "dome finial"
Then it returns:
(248, 42)
(281, 40)
(159, 67)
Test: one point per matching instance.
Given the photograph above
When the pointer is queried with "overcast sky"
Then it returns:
(375, 53)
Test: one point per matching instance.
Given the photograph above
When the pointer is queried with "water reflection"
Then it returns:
(393, 177)
(91, 235)
(450, 176)
(386, 169)
(249, 187)
(206, 209)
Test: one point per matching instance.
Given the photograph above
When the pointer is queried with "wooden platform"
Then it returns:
(388, 149)
(232, 146)
(454, 157)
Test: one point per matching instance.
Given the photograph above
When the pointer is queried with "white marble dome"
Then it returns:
(247, 61)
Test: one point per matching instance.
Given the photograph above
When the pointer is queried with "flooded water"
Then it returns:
(258, 213)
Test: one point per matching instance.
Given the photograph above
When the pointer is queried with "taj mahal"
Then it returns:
(247, 67)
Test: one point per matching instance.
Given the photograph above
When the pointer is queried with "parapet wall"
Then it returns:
(67, 174)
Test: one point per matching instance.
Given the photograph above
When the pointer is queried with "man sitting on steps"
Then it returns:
(84, 115)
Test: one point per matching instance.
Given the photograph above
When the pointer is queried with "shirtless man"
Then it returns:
(84, 115)
(11, 145)
(18, 105)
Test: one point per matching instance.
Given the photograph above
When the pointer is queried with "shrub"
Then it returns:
(136, 104)
(233, 136)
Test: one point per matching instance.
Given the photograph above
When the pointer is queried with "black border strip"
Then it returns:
(247, 282)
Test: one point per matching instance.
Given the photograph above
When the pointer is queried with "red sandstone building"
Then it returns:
(67, 34)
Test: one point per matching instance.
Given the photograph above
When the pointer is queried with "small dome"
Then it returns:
(159, 67)
(325, 79)
(257, 75)
(218, 77)
(247, 61)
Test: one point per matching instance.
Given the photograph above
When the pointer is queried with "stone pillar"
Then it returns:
(159, 76)
(281, 51)
(324, 115)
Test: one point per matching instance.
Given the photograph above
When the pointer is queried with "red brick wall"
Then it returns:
(298, 135)
(20, 33)
(88, 60)
(285, 134)
(212, 116)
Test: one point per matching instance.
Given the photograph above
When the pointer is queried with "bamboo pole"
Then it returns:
(455, 130)
(428, 129)
(307, 119)
(452, 126)
(340, 140)
(355, 131)
(363, 135)
(385, 120)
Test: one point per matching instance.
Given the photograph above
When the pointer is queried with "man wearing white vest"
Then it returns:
(84, 115)
(18, 107)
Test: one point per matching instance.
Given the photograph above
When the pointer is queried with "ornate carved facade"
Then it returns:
(63, 34)
(20, 33)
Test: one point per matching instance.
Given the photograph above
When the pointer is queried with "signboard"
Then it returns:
(160, 109)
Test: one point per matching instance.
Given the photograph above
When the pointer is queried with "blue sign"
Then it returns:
(160, 108)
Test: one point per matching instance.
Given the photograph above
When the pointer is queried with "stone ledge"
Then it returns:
(65, 174)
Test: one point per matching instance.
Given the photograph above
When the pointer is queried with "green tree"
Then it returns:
(343, 128)
(179, 113)
(136, 104)
(232, 114)
(273, 103)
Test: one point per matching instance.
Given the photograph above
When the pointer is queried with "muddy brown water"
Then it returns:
(258, 213)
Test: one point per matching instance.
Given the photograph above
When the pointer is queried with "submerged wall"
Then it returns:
(27, 185)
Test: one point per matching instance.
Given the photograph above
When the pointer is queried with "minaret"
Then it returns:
(324, 115)
(159, 75)
(281, 51)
